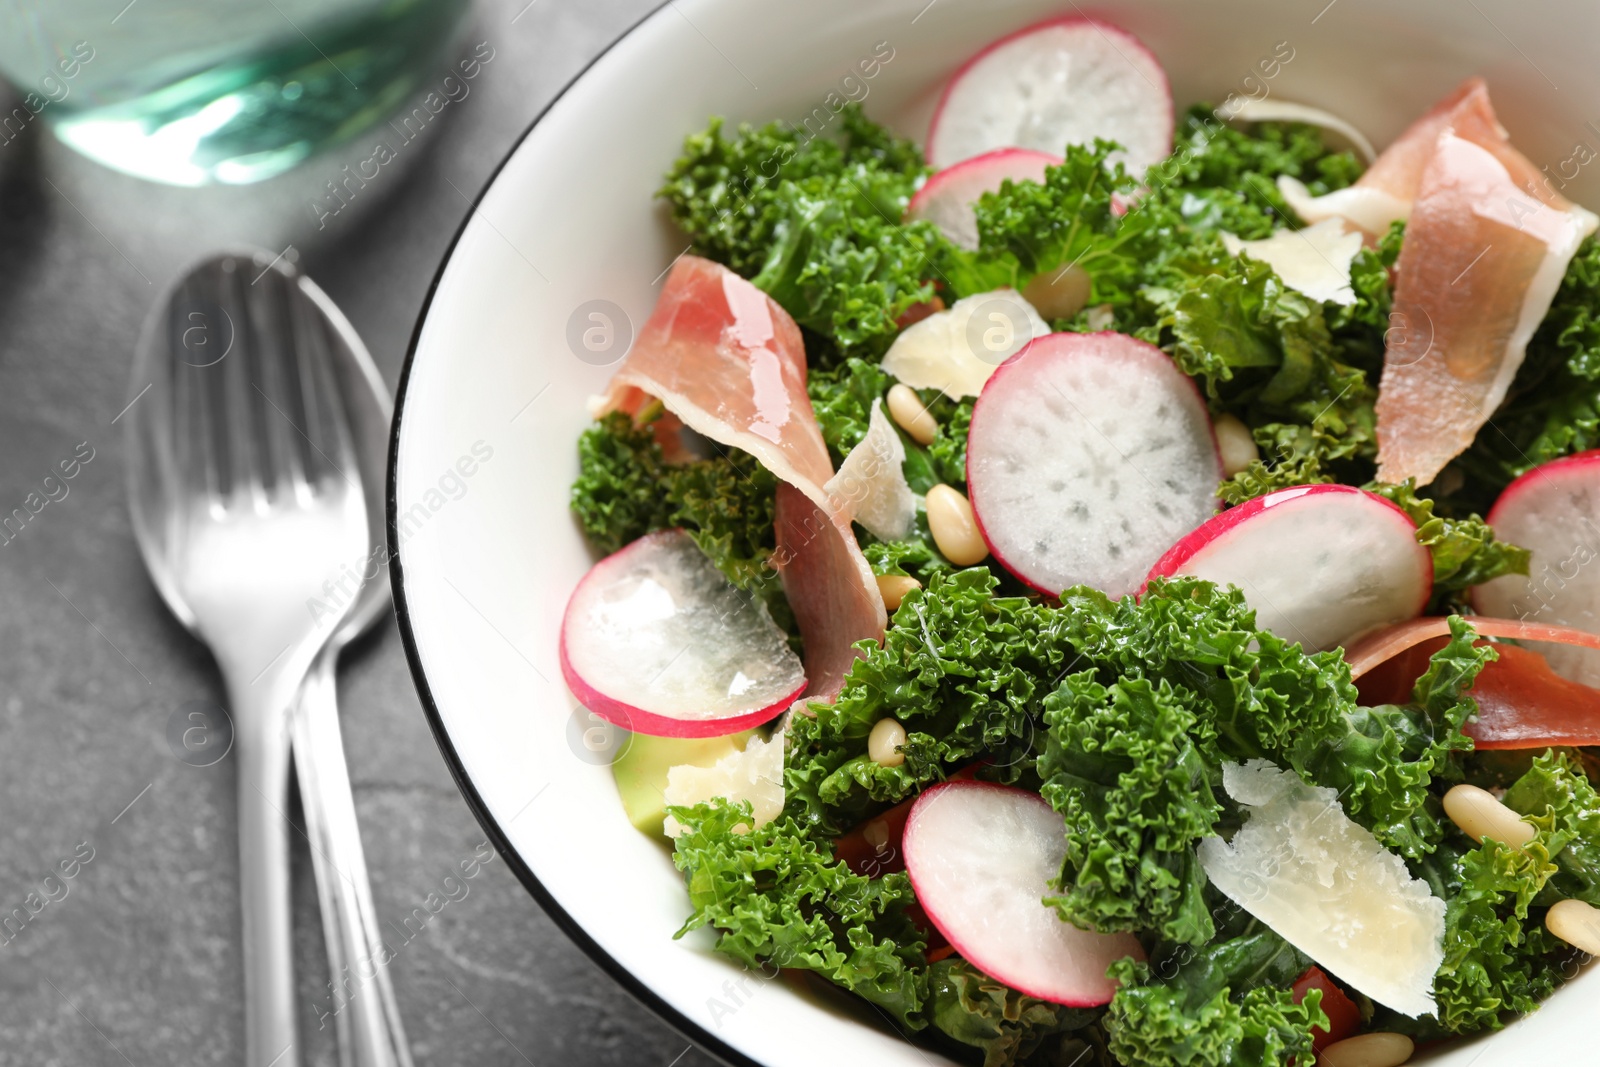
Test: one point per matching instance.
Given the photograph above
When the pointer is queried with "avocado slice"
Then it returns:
(641, 771)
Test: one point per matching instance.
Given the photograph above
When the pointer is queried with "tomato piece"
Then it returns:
(1343, 1015)
(1522, 703)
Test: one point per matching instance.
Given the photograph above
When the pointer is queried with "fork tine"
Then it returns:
(326, 427)
(192, 339)
(237, 421)
(277, 386)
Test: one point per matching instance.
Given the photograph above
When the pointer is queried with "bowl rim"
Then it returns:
(641, 991)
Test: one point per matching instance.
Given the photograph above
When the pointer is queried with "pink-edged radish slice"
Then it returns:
(981, 859)
(1320, 564)
(658, 641)
(1089, 455)
(946, 199)
(1554, 512)
(1059, 83)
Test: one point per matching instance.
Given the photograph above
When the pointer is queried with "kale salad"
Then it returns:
(1109, 587)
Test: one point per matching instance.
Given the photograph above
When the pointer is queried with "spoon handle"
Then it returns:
(261, 738)
(361, 1000)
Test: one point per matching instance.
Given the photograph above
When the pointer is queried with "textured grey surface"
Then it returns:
(138, 962)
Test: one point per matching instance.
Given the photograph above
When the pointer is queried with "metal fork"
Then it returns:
(243, 508)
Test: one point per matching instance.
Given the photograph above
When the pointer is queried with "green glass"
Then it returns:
(197, 91)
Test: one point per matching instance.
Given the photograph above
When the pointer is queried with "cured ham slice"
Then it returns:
(821, 580)
(1484, 253)
(730, 364)
(1385, 193)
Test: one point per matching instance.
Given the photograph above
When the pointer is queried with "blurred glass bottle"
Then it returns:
(196, 91)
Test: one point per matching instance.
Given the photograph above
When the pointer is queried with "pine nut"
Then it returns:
(906, 409)
(1100, 317)
(1480, 815)
(1235, 445)
(1576, 923)
(883, 743)
(1057, 293)
(1368, 1050)
(954, 529)
(894, 587)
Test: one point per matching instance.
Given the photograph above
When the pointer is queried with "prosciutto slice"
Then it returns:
(730, 364)
(1484, 253)
(1388, 189)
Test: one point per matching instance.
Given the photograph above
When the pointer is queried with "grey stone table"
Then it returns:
(134, 958)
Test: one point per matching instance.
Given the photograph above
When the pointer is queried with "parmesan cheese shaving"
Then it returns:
(956, 350)
(756, 775)
(871, 485)
(1325, 885)
(1314, 261)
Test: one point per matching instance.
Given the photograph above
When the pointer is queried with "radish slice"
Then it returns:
(658, 641)
(1059, 83)
(1320, 564)
(1384, 645)
(1244, 109)
(1553, 512)
(981, 858)
(1088, 456)
(946, 199)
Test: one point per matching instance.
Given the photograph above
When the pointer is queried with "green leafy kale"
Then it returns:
(1183, 681)
(973, 1009)
(625, 489)
(814, 221)
(1264, 353)
(1556, 787)
(777, 898)
(1225, 1005)
(962, 669)
(1028, 228)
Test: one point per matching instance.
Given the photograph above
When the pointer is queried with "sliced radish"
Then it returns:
(658, 641)
(981, 858)
(946, 199)
(1088, 456)
(1320, 564)
(1059, 83)
(1554, 512)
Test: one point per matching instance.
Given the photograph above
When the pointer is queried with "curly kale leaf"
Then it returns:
(1225, 1005)
(973, 1009)
(1465, 551)
(1556, 788)
(1385, 761)
(625, 489)
(1122, 767)
(777, 899)
(1261, 478)
(961, 669)
(1264, 353)
(1224, 177)
(814, 221)
(1028, 228)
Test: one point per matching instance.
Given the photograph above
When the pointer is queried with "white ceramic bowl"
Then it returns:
(486, 559)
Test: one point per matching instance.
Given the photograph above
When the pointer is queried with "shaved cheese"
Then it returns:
(1326, 886)
(871, 485)
(1245, 109)
(756, 775)
(956, 350)
(1370, 209)
(1314, 261)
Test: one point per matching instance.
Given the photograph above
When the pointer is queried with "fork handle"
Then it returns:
(362, 1003)
(261, 735)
